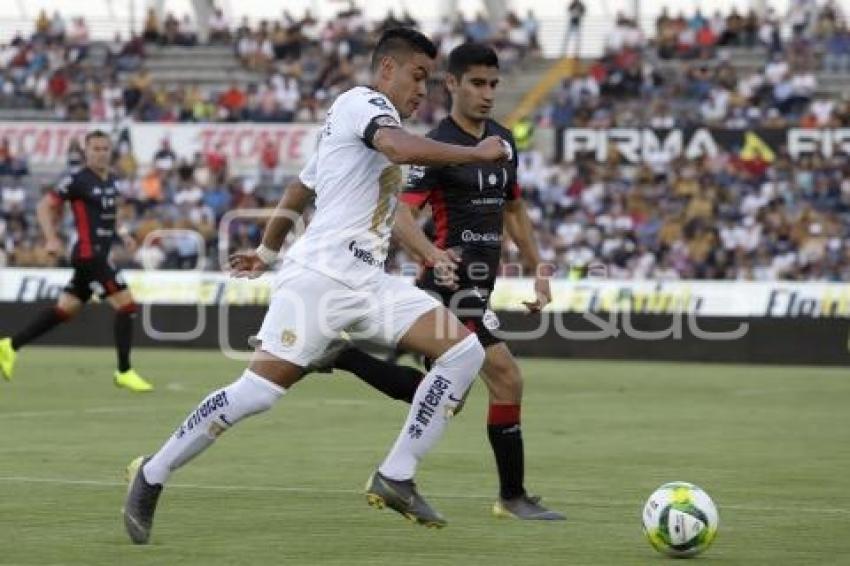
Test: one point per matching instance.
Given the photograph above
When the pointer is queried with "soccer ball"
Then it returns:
(680, 520)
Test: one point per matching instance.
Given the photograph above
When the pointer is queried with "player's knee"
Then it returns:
(513, 382)
(504, 380)
(64, 313)
(68, 308)
(127, 309)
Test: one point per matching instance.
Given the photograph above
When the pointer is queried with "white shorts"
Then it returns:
(309, 309)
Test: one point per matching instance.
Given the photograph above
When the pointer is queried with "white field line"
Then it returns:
(121, 409)
(325, 491)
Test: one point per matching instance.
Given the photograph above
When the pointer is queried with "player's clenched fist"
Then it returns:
(494, 148)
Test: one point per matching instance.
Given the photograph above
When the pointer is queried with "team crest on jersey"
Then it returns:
(490, 320)
(287, 338)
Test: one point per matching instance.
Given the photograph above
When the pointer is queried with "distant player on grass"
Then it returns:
(333, 279)
(92, 194)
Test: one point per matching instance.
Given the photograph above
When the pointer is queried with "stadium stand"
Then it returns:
(728, 216)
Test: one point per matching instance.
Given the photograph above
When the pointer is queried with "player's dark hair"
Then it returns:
(468, 55)
(399, 41)
(97, 134)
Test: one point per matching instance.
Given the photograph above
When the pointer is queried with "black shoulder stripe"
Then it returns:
(376, 123)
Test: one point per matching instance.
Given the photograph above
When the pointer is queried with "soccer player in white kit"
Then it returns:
(333, 279)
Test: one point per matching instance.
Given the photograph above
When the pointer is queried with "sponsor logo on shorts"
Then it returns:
(207, 408)
(428, 406)
(364, 255)
(470, 236)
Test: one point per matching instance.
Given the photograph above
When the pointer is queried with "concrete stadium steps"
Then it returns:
(217, 79)
(835, 85)
(29, 114)
(210, 66)
(533, 90)
(519, 82)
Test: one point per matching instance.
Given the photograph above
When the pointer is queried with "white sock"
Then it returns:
(248, 395)
(438, 395)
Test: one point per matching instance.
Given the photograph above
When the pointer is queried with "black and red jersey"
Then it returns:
(93, 202)
(467, 201)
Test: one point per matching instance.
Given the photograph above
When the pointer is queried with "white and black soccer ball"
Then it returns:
(680, 520)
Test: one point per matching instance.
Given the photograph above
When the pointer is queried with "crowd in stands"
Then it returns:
(187, 196)
(721, 217)
(299, 65)
(58, 67)
(732, 216)
(674, 81)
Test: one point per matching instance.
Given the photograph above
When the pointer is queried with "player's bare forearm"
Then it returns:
(410, 235)
(405, 148)
(292, 203)
(521, 232)
(47, 214)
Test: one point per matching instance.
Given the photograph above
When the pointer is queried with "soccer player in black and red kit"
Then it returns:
(470, 205)
(92, 194)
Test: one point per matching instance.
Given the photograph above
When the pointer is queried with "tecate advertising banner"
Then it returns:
(242, 144)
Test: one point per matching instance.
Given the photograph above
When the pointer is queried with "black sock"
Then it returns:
(44, 322)
(505, 433)
(124, 336)
(395, 381)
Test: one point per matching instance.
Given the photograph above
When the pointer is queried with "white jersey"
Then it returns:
(356, 187)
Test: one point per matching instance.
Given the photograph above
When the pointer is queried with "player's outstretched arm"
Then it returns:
(521, 231)
(410, 235)
(48, 213)
(253, 263)
(405, 148)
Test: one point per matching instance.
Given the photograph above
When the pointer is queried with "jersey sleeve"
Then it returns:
(421, 183)
(369, 113)
(308, 174)
(66, 189)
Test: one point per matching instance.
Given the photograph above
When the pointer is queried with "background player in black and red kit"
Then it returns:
(470, 205)
(92, 194)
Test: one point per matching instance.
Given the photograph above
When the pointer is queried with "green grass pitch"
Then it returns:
(771, 445)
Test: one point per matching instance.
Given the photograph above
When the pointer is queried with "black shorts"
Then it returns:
(96, 275)
(469, 304)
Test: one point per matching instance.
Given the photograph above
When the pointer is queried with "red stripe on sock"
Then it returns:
(503, 415)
